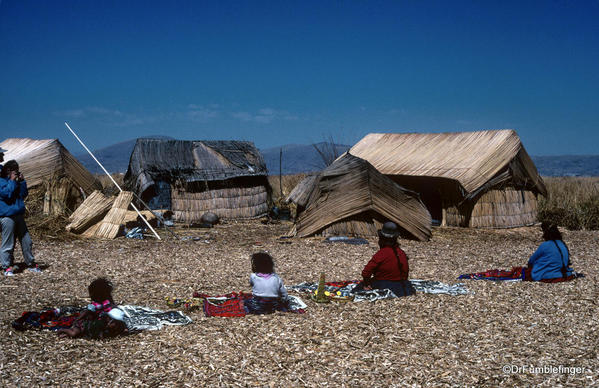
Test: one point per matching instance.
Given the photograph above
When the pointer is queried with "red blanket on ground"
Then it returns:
(516, 273)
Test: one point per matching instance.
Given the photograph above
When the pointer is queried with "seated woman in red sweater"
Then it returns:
(388, 268)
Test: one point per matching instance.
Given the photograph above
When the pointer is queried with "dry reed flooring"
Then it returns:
(428, 340)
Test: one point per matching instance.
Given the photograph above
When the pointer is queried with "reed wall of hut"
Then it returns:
(495, 209)
(230, 199)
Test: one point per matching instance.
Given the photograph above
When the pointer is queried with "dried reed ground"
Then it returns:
(420, 340)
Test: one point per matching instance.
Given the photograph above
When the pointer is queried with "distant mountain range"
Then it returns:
(114, 158)
(298, 158)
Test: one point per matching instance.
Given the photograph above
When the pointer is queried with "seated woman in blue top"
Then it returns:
(551, 261)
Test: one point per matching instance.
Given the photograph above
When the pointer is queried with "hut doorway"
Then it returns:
(434, 192)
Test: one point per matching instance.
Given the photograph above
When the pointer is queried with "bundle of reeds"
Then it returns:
(90, 212)
(110, 226)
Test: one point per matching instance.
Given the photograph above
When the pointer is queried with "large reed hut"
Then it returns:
(228, 178)
(351, 198)
(49, 165)
(476, 179)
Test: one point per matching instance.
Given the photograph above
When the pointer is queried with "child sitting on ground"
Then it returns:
(102, 318)
(268, 291)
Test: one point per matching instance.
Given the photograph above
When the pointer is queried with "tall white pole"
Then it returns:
(113, 181)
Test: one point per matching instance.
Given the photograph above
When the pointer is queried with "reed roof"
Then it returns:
(185, 160)
(40, 160)
(473, 159)
(352, 186)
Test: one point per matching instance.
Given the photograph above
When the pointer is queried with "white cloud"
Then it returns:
(396, 111)
(112, 117)
(264, 116)
(74, 113)
(203, 113)
(267, 111)
(90, 111)
(243, 116)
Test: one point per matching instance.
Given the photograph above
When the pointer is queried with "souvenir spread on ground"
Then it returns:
(447, 333)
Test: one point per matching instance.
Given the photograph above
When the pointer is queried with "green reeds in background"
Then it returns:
(573, 202)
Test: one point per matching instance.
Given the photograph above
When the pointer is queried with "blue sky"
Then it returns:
(297, 72)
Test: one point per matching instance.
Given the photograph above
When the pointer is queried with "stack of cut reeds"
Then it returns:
(90, 212)
(110, 226)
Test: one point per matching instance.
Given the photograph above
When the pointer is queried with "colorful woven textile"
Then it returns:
(136, 318)
(516, 273)
(229, 305)
(51, 319)
(239, 304)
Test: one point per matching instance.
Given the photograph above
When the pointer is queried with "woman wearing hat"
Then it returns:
(551, 260)
(388, 268)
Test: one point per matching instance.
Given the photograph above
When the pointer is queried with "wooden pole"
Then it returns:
(113, 181)
(281, 172)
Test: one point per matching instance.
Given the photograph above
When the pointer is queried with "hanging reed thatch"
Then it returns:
(60, 196)
(110, 226)
(301, 192)
(228, 178)
(350, 197)
(90, 212)
(452, 171)
(47, 162)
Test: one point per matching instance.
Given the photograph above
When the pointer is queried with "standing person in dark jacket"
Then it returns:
(13, 191)
(388, 268)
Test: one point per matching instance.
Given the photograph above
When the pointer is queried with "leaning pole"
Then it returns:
(113, 181)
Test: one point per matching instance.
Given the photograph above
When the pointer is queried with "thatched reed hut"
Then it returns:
(228, 178)
(351, 198)
(475, 179)
(49, 165)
